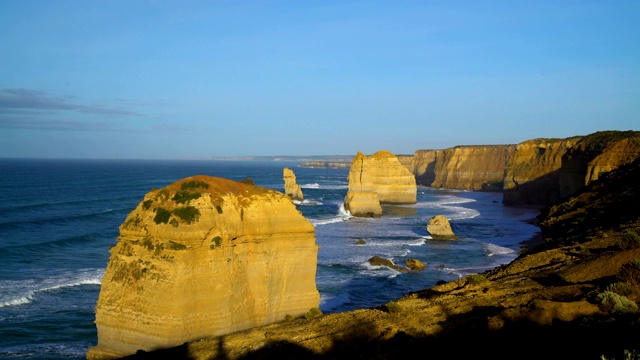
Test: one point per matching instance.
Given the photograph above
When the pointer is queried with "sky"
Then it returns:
(200, 79)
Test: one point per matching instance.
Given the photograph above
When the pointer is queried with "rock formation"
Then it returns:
(533, 172)
(546, 304)
(542, 171)
(379, 261)
(472, 167)
(362, 198)
(291, 188)
(423, 166)
(440, 228)
(379, 178)
(415, 264)
(204, 257)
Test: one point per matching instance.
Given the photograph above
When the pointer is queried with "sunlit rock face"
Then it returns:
(203, 257)
(471, 167)
(533, 172)
(542, 171)
(440, 229)
(291, 188)
(379, 178)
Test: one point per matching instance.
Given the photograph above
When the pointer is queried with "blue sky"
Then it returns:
(196, 79)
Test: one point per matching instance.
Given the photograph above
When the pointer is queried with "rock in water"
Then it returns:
(440, 228)
(291, 188)
(204, 257)
(379, 178)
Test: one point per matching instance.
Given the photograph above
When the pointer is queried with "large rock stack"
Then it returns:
(379, 178)
(204, 257)
(291, 188)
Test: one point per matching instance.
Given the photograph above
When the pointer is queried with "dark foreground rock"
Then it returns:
(546, 304)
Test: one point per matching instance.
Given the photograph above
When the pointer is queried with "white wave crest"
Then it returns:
(308, 202)
(343, 215)
(310, 186)
(23, 292)
(493, 249)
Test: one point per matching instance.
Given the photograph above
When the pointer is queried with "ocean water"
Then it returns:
(58, 219)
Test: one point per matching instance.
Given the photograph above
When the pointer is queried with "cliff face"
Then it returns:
(542, 171)
(379, 178)
(362, 198)
(533, 173)
(423, 166)
(471, 167)
(291, 188)
(204, 257)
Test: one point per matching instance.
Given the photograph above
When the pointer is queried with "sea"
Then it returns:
(58, 219)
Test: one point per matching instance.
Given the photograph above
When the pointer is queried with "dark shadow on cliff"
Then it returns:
(541, 191)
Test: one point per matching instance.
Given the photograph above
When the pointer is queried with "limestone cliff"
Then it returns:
(533, 172)
(472, 167)
(203, 257)
(379, 178)
(423, 166)
(361, 199)
(542, 171)
(291, 188)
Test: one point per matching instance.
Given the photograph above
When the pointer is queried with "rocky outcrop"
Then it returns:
(204, 257)
(532, 175)
(472, 167)
(415, 264)
(291, 188)
(378, 177)
(423, 166)
(546, 304)
(361, 199)
(542, 171)
(379, 261)
(440, 229)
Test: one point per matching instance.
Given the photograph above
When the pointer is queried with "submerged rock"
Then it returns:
(204, 257)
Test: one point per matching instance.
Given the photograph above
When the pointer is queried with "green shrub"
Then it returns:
(187, 213)
(147, 204)
(477, 279)
(615, 303)
(193, 184)
(394, 307)
(219, 209)
(176, 245)
(248, 181)
(163, 194)
(162, 215)
(216, 241)
(630, 272)
(184, 196)
(312, 313)
(621, 288)
(147, 243)
(630, 240)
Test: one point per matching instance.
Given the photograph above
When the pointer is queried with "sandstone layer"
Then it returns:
(549, 303)
(291, 188)
(204, 257)
(379, 177)
(472, 167)
(423, 166)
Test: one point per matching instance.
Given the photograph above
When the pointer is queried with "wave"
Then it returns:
(493, 249)
(308, 202)
(23, 292)
(326, 187)
(342, 215)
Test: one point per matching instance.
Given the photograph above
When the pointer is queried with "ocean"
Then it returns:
(58, 219)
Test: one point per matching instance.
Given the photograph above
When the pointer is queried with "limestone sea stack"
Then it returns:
(204, 257)
(439, 228)
(291, 188)
(379, 178)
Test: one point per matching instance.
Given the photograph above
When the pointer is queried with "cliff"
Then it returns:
(291, 188)
(471, 167)
(532, 175)
(572, 297)
(204, 257)
(362, 198)
(423, 166)
(542, 171)
(378, 179)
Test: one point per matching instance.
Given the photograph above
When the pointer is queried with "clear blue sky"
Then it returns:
(176, 79)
